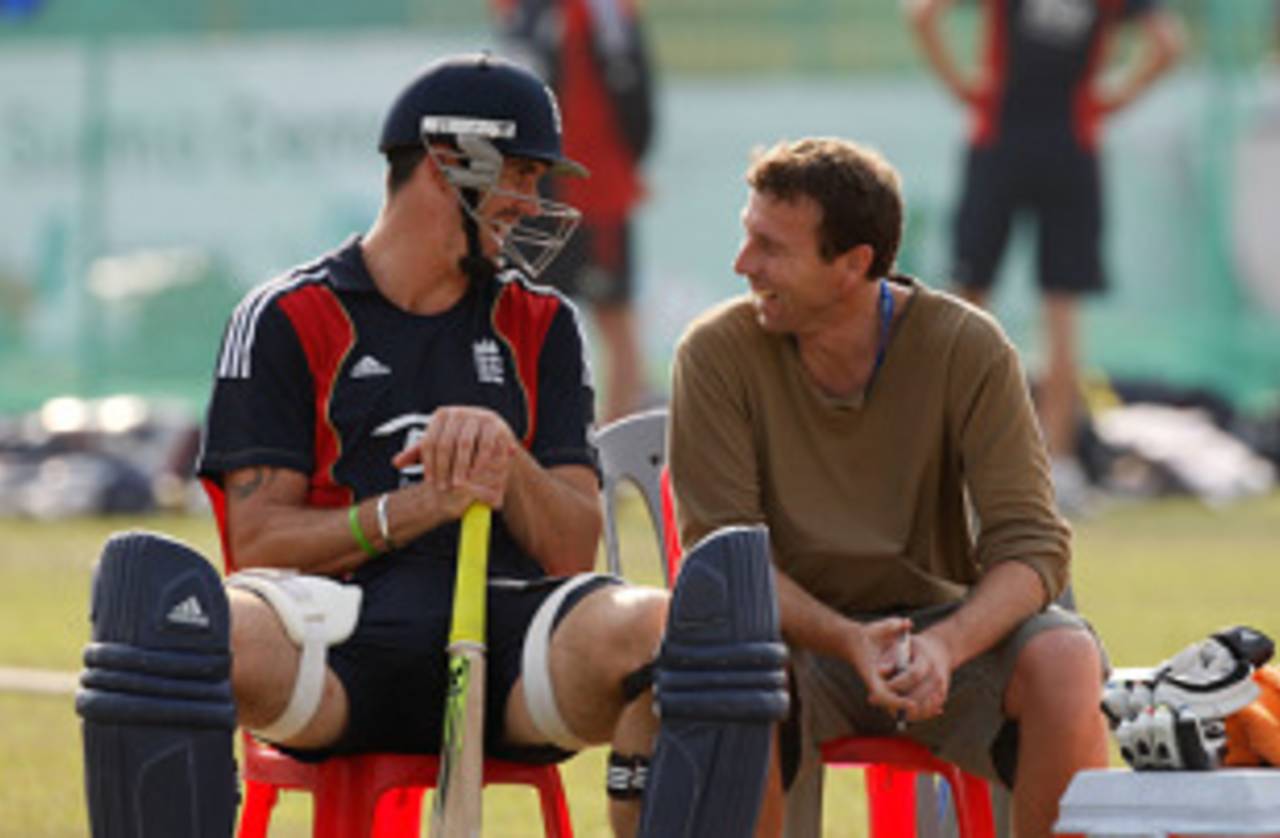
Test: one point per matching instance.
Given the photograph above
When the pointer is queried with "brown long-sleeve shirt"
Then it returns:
(866, 498)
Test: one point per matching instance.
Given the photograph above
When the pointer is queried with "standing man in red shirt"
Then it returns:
(594, 55)
(1037, 106)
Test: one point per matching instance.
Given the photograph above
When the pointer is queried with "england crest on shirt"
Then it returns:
(488, 358)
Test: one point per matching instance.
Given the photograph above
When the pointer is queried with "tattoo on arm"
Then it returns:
(251, 483)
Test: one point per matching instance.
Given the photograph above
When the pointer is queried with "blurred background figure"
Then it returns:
(1037, 104)
(120, 111)
(595, 56)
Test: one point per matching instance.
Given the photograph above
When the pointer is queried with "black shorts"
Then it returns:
(394, 666)
(595, 265)
(1060, 187)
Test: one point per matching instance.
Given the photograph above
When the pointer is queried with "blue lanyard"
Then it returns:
(886, 320)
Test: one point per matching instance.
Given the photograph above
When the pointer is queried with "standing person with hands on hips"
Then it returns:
(1038, 102)
(867, 420)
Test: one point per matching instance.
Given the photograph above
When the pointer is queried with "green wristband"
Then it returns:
(353, 517)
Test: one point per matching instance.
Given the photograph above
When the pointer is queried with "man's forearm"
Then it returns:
(554, 516)
(269, 523)
(807, 622)
(307, 539)
(1007, 594)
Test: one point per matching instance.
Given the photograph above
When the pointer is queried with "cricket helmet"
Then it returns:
(480, 94)
(484, 109)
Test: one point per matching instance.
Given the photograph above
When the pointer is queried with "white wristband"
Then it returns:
(384, 529)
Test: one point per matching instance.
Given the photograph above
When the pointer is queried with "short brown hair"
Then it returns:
(402, 161)
(858, 191)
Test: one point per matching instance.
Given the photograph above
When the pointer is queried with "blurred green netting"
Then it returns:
(692, 36)
(121, 119)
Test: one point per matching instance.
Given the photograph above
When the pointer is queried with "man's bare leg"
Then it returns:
(1061, 384)
(607, 636)
(1054, 695)
(636, 733)
(264, 666)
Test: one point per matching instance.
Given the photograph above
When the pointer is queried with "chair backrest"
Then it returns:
(218, 504)
(633, 449)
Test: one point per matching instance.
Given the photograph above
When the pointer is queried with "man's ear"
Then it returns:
(432, 162)
(857, 260)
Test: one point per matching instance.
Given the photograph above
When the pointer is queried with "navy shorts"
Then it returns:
(1059, 187)
(595, 265)
(394, 666)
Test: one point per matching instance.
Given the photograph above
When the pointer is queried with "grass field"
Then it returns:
(1151, 577)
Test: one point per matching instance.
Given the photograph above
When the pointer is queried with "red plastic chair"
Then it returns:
(891, 763)
(374, 794)
(366, 795)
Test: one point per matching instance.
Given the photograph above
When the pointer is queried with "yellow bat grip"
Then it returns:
(473, 573)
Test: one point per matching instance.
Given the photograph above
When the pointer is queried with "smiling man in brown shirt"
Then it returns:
(884, 433)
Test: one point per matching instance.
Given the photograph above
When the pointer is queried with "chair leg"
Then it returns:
(255, 814)
(556, 822)
(1001, 809)
(973, 806)
(891, 801)
(398, 813)
(935, 812)
(343, 805)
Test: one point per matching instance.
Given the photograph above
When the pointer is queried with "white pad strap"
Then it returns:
(316, 612)
(535, 669)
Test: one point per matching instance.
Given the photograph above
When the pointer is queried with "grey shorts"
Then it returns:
(832, 703)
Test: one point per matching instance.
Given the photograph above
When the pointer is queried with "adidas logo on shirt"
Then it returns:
(188, 613)
(369, 366)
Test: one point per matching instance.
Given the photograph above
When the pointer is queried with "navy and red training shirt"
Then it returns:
(1042, 57)
(319, 373)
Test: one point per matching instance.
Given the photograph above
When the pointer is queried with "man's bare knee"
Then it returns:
(618, 629)
(1062, 664)
(264, 667)
(263, 661)
(637, 634)
(595, 662)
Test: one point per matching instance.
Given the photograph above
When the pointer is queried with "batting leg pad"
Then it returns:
(155, 695)
(720, 686)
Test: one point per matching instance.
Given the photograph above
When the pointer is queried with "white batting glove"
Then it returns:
(1161, 738)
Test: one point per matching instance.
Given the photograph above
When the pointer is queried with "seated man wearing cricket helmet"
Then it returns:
(362, 403)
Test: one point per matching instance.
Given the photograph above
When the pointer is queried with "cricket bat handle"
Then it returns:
(457, 813)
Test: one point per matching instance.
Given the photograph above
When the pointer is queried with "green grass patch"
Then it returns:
(1151, 577)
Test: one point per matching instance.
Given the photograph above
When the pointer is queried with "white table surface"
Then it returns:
(1118, 801)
